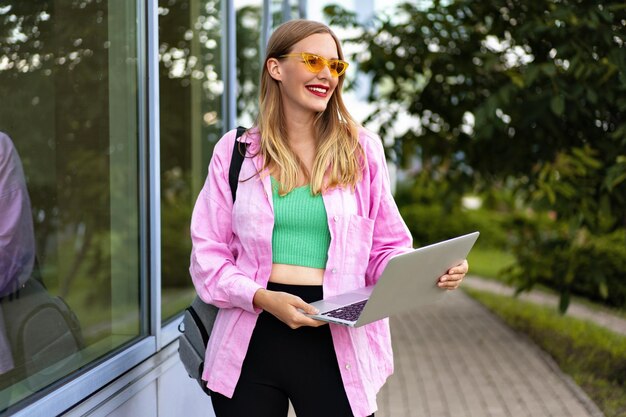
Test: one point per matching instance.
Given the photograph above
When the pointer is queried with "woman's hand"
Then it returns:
(286, 308)
(453, 278)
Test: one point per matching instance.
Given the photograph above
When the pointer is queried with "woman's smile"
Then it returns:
(318, 89)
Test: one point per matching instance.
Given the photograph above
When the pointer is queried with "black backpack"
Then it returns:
(199, 317)
(43, 332)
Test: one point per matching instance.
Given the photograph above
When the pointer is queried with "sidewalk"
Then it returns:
(457, 359)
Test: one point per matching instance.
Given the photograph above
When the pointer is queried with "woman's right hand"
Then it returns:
(286, 308)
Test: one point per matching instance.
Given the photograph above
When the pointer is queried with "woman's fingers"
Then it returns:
(453, 278)
(291, 310)
(307, 308)
(462, 268)
(449, 282)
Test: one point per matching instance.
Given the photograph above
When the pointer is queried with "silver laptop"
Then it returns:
(408, 281)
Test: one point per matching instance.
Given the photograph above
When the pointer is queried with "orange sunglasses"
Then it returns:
(316, 63)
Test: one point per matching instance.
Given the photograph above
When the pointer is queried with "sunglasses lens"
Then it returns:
(337, 67)
(314, 62)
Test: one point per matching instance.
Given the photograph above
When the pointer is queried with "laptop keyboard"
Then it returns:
(350, 312)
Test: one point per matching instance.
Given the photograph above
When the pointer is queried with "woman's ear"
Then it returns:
(273, 68)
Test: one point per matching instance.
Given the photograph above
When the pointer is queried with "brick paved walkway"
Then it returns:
(456, 359)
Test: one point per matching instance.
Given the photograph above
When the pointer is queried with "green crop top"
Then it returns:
(301, 235)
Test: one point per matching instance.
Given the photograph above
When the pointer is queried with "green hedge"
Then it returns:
(431, 223)
(571, 261)
(548, 252)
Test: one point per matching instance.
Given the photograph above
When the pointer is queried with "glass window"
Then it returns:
(249, 24)
(191, 91)
(69, 218)
(251, 49)
(284, 10)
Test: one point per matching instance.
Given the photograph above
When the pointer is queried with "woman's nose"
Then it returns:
(325, 73)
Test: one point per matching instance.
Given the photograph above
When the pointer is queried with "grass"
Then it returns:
(592, 355)
(487, 262)
(620, 312)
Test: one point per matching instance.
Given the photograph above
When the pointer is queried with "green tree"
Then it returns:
(531, 95)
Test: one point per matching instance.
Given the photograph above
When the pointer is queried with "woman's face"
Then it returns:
(302, 90)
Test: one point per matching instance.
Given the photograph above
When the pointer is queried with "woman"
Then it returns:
(17, 246)
(313, 217)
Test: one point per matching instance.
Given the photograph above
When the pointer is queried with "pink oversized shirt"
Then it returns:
(17, 238)
(231, 259)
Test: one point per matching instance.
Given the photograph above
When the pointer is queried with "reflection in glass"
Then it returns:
(250, 50)
(191, 91)
(68, 82)
(249, 58)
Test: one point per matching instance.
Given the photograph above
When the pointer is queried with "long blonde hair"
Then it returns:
(338, 150)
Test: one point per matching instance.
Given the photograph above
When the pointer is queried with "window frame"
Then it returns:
(61, 396)
(64, 394)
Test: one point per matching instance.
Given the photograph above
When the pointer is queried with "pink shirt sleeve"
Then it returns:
(213, 268)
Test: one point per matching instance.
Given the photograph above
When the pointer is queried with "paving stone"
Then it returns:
(456, 359)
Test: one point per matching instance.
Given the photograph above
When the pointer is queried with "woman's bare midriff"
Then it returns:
(296, 275)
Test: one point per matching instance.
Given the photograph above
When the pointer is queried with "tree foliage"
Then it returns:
(533, 91)
(508, 94)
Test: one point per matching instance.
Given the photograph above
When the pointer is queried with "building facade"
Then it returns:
(109, 110)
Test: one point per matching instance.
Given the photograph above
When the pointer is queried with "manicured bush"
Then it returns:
(548, 251)
(571, 261)
(431, 223)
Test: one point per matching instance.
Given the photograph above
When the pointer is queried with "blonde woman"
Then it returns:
(313, 217)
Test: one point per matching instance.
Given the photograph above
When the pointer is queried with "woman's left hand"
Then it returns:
(453, 278)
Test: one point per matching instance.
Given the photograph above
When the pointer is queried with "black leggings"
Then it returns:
(284, 364)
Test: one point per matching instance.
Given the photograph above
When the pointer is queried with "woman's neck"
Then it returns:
(300, 130)
(299, 122)
(301, 137)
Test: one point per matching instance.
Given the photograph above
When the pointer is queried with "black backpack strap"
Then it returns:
(239, 152)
